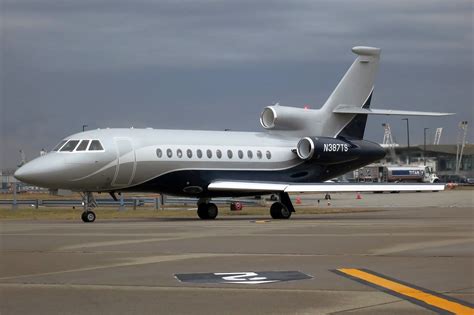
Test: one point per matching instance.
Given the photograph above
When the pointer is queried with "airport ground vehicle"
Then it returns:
(398, 174)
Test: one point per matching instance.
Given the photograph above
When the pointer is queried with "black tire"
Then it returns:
(275, 210)
(207, 211)
(279, 211)
(285, 213)
(84, 217)
(202, 211)
(90, 216)
(212, 211)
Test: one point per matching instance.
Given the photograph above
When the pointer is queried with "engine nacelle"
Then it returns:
(327, 150)
(284, 118)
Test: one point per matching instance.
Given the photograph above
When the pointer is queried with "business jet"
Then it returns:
(298, 151)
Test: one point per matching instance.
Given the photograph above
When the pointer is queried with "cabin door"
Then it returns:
(126, 162)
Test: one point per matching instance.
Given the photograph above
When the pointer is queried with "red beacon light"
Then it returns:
(306, 107)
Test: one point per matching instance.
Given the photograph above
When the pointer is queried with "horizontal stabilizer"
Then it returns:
(351, 109)
(319, 187)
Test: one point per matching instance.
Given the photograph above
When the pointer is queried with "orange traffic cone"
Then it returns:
(298, 200)
(358, 196)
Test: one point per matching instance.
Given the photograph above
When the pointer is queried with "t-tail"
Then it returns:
(344, 114)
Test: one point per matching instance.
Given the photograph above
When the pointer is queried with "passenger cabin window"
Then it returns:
(83, 145)
(189, 153)
(219, 154)
(59, 145)
(269, 155)
(179, 153)
(199, 153)
(70, 146)
(241, 154)
(229, 154)
(159, 153)
(169, 153)
(209, 153)
(95, 146)
(259, 154)
(250, 154)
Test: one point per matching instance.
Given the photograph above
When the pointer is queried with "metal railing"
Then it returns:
(156, 203)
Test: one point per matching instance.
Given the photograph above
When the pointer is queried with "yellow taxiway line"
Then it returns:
(406, 291)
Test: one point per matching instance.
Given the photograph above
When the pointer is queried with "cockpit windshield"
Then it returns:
(83, 145)
(95, 146)
(70, 146)
(59, 145)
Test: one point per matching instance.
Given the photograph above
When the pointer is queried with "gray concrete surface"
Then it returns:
(447, 199)
(128, 267)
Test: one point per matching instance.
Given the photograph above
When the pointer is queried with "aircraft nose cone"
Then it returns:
(42, 171)
(28, 172)
(21, 174)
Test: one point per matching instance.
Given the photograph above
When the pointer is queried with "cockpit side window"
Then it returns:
(96, 146)
(59, 145)
(83, 145)
(70, 146)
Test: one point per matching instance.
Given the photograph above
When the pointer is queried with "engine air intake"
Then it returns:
(305, 148)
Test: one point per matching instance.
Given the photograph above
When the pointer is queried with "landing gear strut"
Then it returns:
(207, 210)
(89, 203)
(282, 209)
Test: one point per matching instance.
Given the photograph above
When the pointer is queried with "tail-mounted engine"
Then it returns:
(278, 117)
(327, 150)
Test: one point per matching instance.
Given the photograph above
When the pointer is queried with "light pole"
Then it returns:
(424, 145)
(408, 139)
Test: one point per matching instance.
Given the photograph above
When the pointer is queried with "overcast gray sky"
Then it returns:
(216, 64)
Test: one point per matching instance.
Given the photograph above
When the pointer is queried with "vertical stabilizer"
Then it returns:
(355, 88)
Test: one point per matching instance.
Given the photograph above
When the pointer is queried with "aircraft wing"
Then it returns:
(320, 187)
(351, 109)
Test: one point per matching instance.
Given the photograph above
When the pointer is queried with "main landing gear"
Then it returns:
(89, 203)
(282, 209)
(207, 210)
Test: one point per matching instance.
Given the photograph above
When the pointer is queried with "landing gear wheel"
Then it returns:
(88, 216)
(212, 211)
(202, 211)
(279, 211)
(207, 211)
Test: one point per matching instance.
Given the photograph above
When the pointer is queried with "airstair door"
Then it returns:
(126, 162)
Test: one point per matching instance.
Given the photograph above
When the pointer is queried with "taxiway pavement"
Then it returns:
(129, 266)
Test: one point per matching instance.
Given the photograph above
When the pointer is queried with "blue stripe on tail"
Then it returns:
(356, 127)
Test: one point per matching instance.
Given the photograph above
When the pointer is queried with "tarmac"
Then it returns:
(355, 263)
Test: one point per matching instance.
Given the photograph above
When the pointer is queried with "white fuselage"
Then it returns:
(131, 157)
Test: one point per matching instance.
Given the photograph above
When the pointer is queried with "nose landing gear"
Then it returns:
(89, 203)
